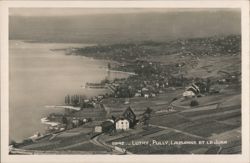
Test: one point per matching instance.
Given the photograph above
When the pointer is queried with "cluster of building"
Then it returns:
(79, 101)
(124, 122)
(212, 46)
(61, 122)
(82, 102)
(117, 52)
(152, 79)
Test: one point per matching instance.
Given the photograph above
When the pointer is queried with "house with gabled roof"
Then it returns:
(130, 116)
(191, 91)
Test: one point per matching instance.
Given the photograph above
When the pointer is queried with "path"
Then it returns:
(117, 150)
(179, 131)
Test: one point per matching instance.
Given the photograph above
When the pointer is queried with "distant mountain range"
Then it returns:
(124, 27)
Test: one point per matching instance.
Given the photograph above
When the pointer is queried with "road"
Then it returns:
(116, 150)
(175, 130)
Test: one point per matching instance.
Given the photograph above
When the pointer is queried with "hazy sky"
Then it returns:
(94, 11)
(120, 25)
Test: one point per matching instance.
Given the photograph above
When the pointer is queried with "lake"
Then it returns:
(40, 77)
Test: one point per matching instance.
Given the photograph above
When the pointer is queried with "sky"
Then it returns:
(82, 25)
(84, 11)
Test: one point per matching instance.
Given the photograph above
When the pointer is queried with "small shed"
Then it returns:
(98, 129)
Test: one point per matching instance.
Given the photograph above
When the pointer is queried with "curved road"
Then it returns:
(116, 150)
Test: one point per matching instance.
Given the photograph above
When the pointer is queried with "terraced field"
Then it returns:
(169, 120)
(140, 135)
(87, 147)
(207, 122)
(156, 150)
(195, 113)
(58, 142)
(208, 128)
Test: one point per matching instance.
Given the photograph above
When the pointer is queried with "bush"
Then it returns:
(12, 142)
(174, 99)
(194, 103)
(27, 141)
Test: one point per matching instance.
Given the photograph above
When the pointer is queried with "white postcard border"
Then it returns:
(5, 5)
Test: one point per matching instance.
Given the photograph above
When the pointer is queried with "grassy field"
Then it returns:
(139, 104)
(209, 111)
(139, 135)
(233, 147)
(156, 150)
(61, 140)
(87, 147)
(168, 120)
(208, 128)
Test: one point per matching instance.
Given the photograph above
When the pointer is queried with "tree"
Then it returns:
(64, 120)
(89, 119)
(13, 143)
(194, 103)
(109, 66)
(146, 116)
(145, 119)
(208, 84)
(148, 110)
(113, 118)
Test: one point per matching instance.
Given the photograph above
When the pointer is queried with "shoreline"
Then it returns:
(39, 127)
(118, 71)
(48, 122)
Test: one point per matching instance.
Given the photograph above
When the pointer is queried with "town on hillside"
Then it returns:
(181, 97)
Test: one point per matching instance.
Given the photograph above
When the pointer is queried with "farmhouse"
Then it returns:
(98, 129)
(122, 124)
(191, 91)
(130, 116)
(75, 121)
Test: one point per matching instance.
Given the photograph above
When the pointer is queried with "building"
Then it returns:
(130, 116)
(122, 124)
(98, 129)
(137, 94)
(191, 91)
(75, 122)
(188, 94)
(146, 95)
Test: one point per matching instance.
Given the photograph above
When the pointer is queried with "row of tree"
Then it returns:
(78, 100)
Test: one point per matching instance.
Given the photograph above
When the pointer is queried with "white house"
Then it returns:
(137, 94)
(146, 95)
(98, 129)
(122, 124)
(191, 91)
(188, 94)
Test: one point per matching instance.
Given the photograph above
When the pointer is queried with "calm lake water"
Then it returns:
(39, 77)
